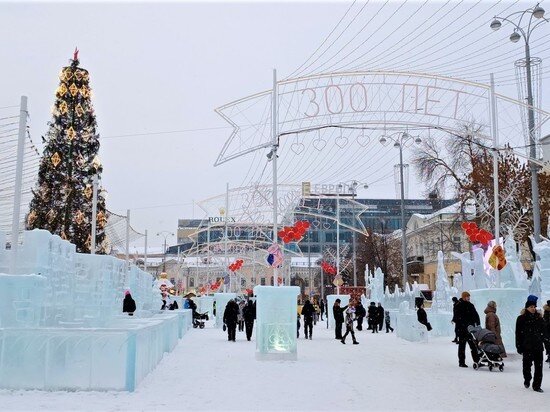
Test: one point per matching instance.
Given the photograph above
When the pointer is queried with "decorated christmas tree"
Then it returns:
(62, 202)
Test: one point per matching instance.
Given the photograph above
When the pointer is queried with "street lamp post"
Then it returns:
(164, 234)
(399, 139)
(538, 13)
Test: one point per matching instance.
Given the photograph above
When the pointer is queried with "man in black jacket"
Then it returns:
(360, 313)
(530, 337)
(322, 308)
(373, 317)
(464, 315)
(249, 314)
(230, 316)
(307, 312)
(338, 314)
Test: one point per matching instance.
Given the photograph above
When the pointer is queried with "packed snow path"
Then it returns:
(206, 372)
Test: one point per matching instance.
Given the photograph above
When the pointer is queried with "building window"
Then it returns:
(262, 281)
(191, 282)
(243, 282)
(253, 280)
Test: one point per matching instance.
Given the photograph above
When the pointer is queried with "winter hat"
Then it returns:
(465, 294)
(530, 302)
(548, 302)
(492, 304)
(337, 301)
(533, 298)
(126, 293)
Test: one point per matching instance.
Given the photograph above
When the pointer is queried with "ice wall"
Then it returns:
(276, 313)
(206, 304)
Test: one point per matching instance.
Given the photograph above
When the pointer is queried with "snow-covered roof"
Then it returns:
(449, 210)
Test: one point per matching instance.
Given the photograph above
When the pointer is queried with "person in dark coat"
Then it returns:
(546, 318)
(230, 316)
(455, 301)
(338, 313)
(322, 307)
(360, 313)
(464, 315)
(530, 337)
(128, 304)
(380, 316)
(422, 316)
(249, 314)
(388, 321)
(373, 317)
(174, 305)
(298, 326)
(307, 312)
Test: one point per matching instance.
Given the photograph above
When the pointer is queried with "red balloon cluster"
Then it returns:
(233, 267)
(294, 233)
(328, 268)
(476, 234)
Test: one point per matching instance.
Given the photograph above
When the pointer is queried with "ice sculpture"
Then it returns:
(276, 312)
(535, 287)
(407, 325)
(61, 320)
(514, 263)
(221, 300)
(468, 282)
(206, 304)
(542, 249)
(442, 298)
(330, 303)
(376, 286)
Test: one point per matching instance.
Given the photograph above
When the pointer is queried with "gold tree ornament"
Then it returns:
(61, 90)
(31, 218)
(79, 217)
(78, 74)
(79, 110)
(88, 191)
(50, 215)
(101, 219)
(80, 161)
(96, 163)
(63, 235)
(84, 91)
(56, 159)
(73, 89)
(71, 134)
(63, 107)
(88, 243)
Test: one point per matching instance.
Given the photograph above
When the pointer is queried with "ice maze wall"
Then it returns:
(61, 320)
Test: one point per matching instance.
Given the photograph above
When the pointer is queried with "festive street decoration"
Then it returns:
(475, 234)
(497, 260)
(62, 202)
(275, 256)
(294, 233)
(328, 268)
(236, 265)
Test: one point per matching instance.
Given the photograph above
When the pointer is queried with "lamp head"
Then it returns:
(383, 140)
(538, 12)
(417, 140)
(496, 24)
(396, 144)
(514, 37)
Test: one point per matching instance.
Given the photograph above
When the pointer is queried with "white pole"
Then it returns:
(127, 239)
(275, 136)
(208, 253)
(226, 235)
(18, 183)
(94, 214)
(145, 253)
(338, 238)
(494, 132)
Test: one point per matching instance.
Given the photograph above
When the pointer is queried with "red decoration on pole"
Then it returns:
(75, 54)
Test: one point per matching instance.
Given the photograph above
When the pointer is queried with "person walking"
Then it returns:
(249, 314)
(455, 301)
(230, 317)
(338, 314)
(240, 316)
(373, 317)
(128, 304)
(360, 313)
(298, 326)
(530, 335)
(492, 322)
(350, 317)
(388, 321)
(380, 316)
(308, 312)
(464, 315)
(546, 318)
(322, 307)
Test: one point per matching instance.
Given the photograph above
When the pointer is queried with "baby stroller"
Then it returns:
(487, 349)
(199, 318)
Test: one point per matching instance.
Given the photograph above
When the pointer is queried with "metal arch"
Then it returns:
(223, 157)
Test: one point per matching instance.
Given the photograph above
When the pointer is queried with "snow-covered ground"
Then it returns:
(206, 372)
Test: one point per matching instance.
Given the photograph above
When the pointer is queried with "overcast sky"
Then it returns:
(166, 67)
